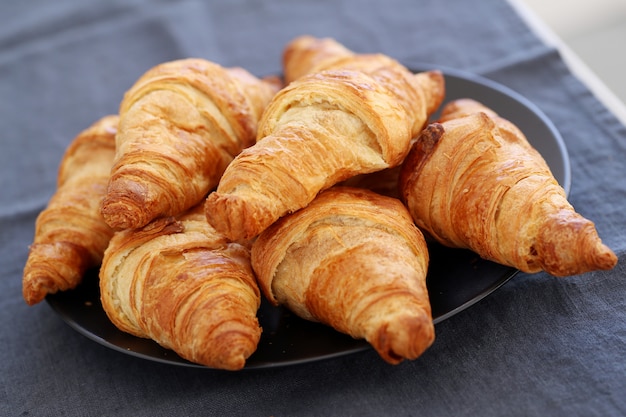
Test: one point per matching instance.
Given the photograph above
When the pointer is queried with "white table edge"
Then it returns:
(578, 67)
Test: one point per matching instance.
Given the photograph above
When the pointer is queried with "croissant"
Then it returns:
(324, 127)
(181, 124)
(474, 181)
(354, 260)
(180, 283)
(70, 234)
(306, 54)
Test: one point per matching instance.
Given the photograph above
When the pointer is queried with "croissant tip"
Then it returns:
(405, 338)
(120, 214)
(604, 258)
(53, 267)
(596, 257)
(229, 362)
(418, 155)
(33, 295)
(38, 283)
(237, 348)
(434, 85)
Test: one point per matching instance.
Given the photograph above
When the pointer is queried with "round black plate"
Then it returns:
(456, 278)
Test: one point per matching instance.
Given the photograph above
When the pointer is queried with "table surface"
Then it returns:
(537, 346)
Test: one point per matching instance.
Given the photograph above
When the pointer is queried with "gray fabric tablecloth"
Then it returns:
(537, 346)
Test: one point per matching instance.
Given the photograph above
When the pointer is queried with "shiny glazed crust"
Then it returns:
(181, 124)
(70, 234)
(186, 287)
(355, 116)
(473, 181)
(354, 260)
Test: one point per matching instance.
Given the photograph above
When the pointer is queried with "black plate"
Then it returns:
(456, 278)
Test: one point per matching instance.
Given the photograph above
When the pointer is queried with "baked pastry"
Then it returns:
(325, 127)
(70, 234)
(354, 260)
(180, 283)
(181, 124)
(474, 181)
(306, 54)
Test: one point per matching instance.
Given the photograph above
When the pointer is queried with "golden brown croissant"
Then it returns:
(306, 54)
(183, 285)
(70, 234)
(354, 260)
(386, 181)
(474, 181)
(181, 124)
(323, 128)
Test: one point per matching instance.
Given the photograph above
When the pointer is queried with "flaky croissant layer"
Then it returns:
(354, 260)
(70, 234)
(353, 115)
(474, 181)
(181, 284)
(181, 124)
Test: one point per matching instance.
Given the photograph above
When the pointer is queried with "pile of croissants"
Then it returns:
(318, 190)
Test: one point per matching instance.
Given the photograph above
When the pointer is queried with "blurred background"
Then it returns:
(595, 30)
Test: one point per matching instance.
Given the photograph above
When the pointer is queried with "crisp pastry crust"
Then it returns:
(354, 260)
(307, 54)
(181, 124)
(185, 286)
(70, 234)
(356, 116)
(474, 181)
